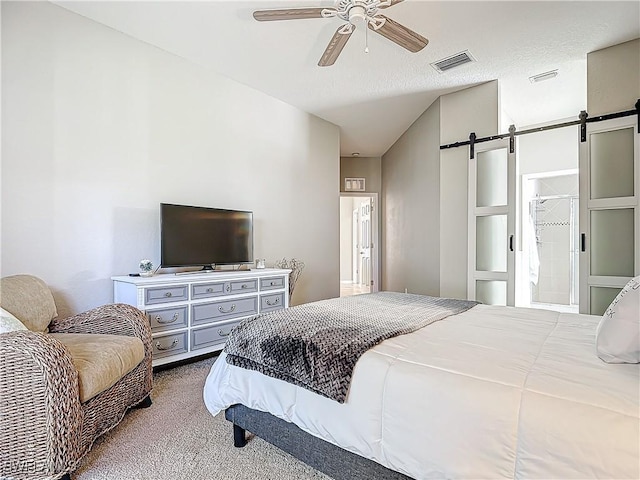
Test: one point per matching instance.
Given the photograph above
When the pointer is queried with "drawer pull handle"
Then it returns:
(223, 334)
(272, 284)
(274, 303)
(170, 347)
(222, 310)
(173, 319)
(167, 294)
(209, 290)
(244, 285)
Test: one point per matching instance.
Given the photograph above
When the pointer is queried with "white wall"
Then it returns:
(99, 128)
(613, 78)
(368, 168)
(411, 210)
(548, 151)
(424, 191)
(476, 110)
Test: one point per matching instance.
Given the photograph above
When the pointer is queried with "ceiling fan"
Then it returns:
(352, 12)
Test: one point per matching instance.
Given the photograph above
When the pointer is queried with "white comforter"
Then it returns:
(495, 392)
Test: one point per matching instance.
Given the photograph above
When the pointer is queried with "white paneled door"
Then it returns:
(492, 220)
(365, 243)
(609, 211)
(355, 247)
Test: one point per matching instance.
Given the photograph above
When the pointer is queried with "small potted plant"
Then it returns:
(146, 268)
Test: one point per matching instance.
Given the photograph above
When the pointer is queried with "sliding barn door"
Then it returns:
(492, 219)
(609, 211)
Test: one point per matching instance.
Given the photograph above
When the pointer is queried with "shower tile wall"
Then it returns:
(552, 221)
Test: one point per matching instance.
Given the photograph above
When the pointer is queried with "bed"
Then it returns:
(493, 392)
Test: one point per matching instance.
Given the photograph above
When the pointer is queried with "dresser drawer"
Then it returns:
(212, 335)
(207, 290)
(174, 293)
(223, 310)
(244, 286)
(271, 302)
(167, 318)
(169, 345)
(271, 283)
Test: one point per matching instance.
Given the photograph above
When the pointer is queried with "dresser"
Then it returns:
(192, 314)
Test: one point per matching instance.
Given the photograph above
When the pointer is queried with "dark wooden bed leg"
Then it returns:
(239, 439)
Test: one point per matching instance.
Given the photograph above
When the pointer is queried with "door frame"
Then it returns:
(376, 255)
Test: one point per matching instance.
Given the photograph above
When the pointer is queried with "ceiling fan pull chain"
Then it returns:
(366, 37)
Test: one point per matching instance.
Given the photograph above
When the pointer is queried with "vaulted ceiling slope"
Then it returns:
(374, 97)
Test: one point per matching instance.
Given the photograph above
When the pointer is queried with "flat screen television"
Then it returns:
(200, 236)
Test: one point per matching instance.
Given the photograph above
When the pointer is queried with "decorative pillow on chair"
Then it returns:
(9, 323)
(618, 333)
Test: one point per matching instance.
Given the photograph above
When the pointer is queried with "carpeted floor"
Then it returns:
(177, 438)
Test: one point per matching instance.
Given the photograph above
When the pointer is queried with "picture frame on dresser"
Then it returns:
(192, 315)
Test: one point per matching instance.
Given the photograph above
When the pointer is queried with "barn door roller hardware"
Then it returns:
(472, 142)
(583, 125)
(512, 138)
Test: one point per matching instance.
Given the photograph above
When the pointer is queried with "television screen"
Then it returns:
(194, 236)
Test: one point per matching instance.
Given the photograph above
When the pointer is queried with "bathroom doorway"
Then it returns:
(358, 244)
(551, 240)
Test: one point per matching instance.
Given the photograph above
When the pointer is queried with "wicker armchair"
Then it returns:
(49, 415)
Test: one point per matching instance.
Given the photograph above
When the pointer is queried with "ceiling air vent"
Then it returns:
(453, 61)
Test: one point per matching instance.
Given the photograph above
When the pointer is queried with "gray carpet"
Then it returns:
(177, 438)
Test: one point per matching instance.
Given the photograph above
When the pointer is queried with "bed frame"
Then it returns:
(315, 452)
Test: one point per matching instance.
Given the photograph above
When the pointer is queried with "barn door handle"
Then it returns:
(511, 243)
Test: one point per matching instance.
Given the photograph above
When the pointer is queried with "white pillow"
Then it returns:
(9, 323)
(618, 333)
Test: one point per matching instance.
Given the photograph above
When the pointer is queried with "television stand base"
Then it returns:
(198, 272)
(213, 270)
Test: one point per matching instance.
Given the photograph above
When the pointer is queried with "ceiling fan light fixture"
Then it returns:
(357, 13)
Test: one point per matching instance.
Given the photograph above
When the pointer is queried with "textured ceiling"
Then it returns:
(375, 97)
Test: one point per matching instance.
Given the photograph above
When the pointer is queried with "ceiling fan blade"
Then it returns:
(403, 36)
(336, 44)
(391, 3)
(287, 14)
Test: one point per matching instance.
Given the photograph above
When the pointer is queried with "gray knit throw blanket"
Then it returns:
(316, 345)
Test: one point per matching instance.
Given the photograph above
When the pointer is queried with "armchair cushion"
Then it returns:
(29, 299)
(9, 323)
(101, 360)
